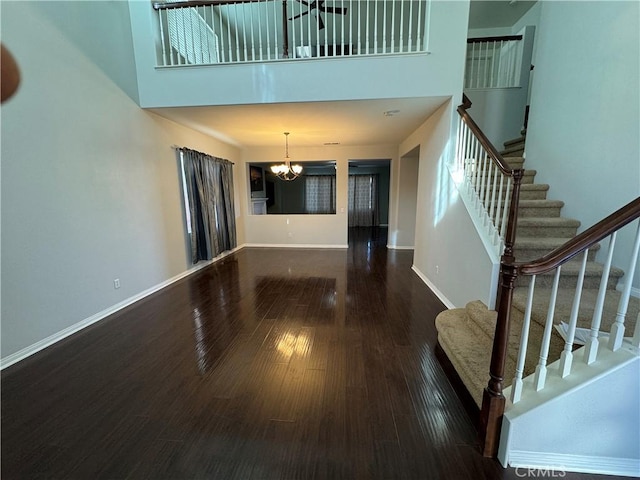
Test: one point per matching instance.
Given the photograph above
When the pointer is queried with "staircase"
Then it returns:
(466, 334)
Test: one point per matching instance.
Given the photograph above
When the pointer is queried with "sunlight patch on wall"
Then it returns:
(445, 192)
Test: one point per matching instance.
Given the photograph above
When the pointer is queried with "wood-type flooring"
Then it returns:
(269, 364)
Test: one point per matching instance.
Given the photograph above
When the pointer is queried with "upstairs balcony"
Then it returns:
(228, 52)
(236, 31)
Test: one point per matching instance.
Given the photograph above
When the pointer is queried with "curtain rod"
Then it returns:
(177, 147)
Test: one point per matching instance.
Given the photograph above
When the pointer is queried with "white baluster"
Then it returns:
(541, 369)
(492, 203)
(375, 28)
(333, 21)
(162, 39)
(591, 347)
(617, 329)
(419, 23)
(507, 206)
(401, 23)
(351, 25)
(228, 34)
(393, 29)
(260, 48)
(410, 35)
(359, 30)
(498, 210)
(485, 196)
(516, 390)
(493, 60)
(244, 34)
(342, 39)
(268, 33)
(566, 357)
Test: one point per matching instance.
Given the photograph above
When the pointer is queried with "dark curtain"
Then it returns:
(363, 201)
(209, 185)
(320, 194)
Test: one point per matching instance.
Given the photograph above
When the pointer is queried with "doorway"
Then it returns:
(368, 200)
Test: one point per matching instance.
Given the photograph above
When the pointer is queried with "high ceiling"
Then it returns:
(355, 122)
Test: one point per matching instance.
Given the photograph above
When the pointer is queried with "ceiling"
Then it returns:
(497, 13)
(354, 122)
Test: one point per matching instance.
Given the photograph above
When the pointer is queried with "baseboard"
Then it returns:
(448, 303)
(399, 247)
(76, 327)
(292, 245)
(561, 463)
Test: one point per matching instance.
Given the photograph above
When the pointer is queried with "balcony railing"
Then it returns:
(235, 31)
(494, 62)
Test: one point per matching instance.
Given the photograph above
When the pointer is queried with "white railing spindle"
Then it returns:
(516, 390)
(591, 347)
(617, 329)
(541, 369)
(566, 357)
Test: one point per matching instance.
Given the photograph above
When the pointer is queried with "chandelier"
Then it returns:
(286, 171)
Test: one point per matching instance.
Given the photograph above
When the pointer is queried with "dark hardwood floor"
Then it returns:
(270, 364)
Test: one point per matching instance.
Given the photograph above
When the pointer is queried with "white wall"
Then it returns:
(594, 427)
(584, 121)
(305, 230)
(448, 251)
(90, 185)
(292, 81)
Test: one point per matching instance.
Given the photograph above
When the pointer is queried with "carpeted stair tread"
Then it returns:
(483, 322)
(541, 203)
(564, 304)
(548, 243)
(469, 352)
(514, 150)
(548, 222)
(513, 141)
(533, 191)
(539, 208)
(515, 162)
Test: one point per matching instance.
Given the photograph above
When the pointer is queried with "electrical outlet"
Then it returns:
(116, 283)
(437, 269)
(290, 234)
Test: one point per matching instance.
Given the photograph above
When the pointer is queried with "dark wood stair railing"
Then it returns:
(493, 401)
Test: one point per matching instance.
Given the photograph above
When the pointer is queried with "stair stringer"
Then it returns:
(587, 422)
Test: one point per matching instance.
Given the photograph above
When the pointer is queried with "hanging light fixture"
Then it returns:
(286, 171)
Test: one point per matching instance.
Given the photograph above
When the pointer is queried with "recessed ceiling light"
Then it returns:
(391, 113)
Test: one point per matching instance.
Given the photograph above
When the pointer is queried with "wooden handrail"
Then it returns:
(493, 400)
(484, 141)
(505, 38)
(581, 242)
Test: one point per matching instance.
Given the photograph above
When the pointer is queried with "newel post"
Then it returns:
(493, 401)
